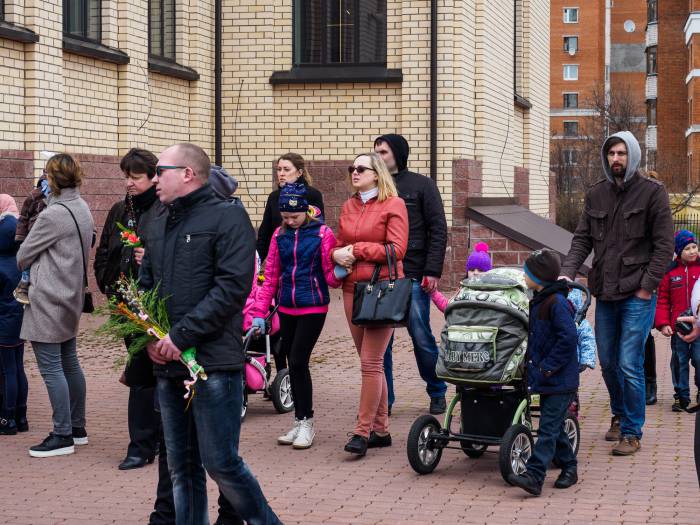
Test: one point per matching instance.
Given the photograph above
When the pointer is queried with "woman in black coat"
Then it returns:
(290, 168)
(113, 258)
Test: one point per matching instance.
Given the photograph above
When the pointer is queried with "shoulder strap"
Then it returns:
(80, 238)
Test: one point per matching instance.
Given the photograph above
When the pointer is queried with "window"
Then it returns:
(652, 11)
(329, 32)
(570, 100)
(571, 128)
(651, 112)
(570, 71)
(651, 60)
(570, 157)
(571, 15)
(571, 44)
(82, 19)
(161, 28)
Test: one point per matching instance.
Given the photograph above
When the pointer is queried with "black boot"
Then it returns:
(21, 419)
(651, 393)
(8, 427)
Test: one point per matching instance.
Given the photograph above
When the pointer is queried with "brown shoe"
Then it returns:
(626, 447)
(613, 433)
(21, 293)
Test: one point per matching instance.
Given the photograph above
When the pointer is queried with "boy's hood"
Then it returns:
(8, 226)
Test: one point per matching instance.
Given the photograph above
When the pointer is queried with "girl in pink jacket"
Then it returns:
(298, 273)
(479, 261)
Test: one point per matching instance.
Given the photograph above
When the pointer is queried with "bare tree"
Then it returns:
(576, 160)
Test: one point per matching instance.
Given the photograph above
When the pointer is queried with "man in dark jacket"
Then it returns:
(201, 258)
(627, 223)
(112, 259)
(427, 242)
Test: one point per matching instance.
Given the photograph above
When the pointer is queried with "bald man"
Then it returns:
(200, 255)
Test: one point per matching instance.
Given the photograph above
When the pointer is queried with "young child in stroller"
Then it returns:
(256, 346)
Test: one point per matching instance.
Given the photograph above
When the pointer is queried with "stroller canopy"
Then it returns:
(485, 335)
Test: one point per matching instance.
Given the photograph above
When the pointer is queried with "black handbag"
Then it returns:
(88, 304)
(385, 302)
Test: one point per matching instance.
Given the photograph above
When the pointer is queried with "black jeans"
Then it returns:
(650, 360)
(552, 440)
(299, 336)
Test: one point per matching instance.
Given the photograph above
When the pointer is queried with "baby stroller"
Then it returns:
(258, 368)
(482, 352)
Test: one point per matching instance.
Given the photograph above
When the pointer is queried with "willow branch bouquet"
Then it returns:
(142, 316)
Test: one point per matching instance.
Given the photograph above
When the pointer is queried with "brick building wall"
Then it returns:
(61, 101)
(672, 101)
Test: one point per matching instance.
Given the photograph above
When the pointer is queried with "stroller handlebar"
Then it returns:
(581, 313)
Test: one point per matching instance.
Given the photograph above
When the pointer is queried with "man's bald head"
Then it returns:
(191, 155)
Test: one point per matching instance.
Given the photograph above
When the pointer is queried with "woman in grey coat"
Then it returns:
(54, 251)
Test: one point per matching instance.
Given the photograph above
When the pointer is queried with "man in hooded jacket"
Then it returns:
(427, 242)
(627, 224)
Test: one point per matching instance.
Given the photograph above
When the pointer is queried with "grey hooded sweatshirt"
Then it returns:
(628, 227)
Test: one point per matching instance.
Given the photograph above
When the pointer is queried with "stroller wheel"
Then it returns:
(244, 408)
(473, 450)
(423, 450)
(281, 391)
(573, 430)
(516, 449)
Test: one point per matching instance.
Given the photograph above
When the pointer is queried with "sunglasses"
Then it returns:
(161, 169)
(358, 169)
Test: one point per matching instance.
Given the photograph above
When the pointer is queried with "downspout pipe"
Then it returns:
(433, 87)
(217, 83)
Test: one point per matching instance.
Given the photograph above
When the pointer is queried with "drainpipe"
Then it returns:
(433, 87)
(608, 53)
(217, 82)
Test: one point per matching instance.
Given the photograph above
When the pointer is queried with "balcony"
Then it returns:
(652, 34)
(651, 137)
(650, 91)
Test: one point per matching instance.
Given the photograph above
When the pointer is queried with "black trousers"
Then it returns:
(299, 336)
(164, 507)
(650, 360)
(144, 423)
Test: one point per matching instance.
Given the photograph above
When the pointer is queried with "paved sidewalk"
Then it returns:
(325, 485)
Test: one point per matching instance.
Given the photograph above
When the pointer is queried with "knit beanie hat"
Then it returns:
(543, 266)
(682, 239)
(479, 259)
(293, 198)
(399, 147)
(221, 182)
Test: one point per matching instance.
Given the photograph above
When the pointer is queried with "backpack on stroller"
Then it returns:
(482, 351)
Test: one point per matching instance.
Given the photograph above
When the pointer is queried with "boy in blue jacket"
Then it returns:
(552, 371)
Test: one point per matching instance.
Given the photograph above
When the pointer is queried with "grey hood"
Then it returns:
(634, 155)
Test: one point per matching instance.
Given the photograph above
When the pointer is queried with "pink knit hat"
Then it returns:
(479, 259)
(8, 206)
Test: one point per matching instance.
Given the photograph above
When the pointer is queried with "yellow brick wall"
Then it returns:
(12, 108)
(55, 100)
(90, 95)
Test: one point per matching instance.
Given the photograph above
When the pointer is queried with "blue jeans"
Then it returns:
(205, 436)
(424, 346)
(681, 353)
(552, 440)
(621, 331)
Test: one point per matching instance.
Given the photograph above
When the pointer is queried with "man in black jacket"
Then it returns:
(427, 242)
(201, 258)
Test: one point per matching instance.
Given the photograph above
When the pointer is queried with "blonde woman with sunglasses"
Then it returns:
(372, 217)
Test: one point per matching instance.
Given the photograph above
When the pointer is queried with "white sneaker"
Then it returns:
(305, 437)
(290, 436)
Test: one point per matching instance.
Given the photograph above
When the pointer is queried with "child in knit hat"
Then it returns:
(552, 371)
(673, 300)
(479, 261)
